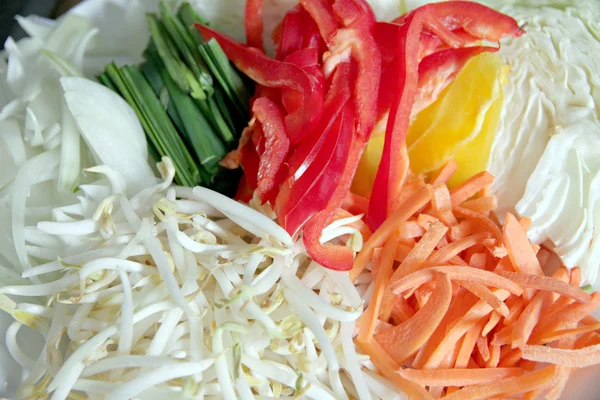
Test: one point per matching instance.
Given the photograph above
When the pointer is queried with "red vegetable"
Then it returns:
(337, 73)
(276, 146)
(253, 20)
(303, 94)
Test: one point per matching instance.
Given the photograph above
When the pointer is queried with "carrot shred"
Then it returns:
(578, 358)
(469, 341)
(562, 317)
(483, 205)
(444, 254)
(470, 274)
(389, 226)
(410, 230)
(369, 318)
(495, 318)
(483, 221)
(446, 172)
(388, 367)
(413, 262)
(519, 249)
(486, 295)
(471, 187)
(508, 386)
(442, 204)
(469, 313)
(457, 377)
(415, 332)
(525, 223)
(548, 284)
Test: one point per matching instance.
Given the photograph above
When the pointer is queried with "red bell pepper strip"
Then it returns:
(438, 70)
(391, 172)
(322, 13)
(338, 95)
(339, 258)
(298, 88)
(352, 13)
(298, 31)
(309, 157)
(253, 20)
(476, 19)
(312, 192)
(273, 151)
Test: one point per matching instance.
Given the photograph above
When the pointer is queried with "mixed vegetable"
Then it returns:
(320, 98)
(365, 138)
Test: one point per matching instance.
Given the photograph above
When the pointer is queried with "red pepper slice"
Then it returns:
(437, 70)
(338, 95)
(299, 89)
(322, 13)
(476, 19)
(392, 171)
(253, 20)
(312, 192)
(273, 150)
(339, 258)
(298, 31)
(354, 12)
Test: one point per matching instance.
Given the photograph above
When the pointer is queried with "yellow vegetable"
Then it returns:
(460, 124)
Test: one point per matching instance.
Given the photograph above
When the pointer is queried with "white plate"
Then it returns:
(584, 384)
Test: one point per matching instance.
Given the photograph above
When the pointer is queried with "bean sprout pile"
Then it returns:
(183, 293)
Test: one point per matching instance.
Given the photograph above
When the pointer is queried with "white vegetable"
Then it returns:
(111, 129)
(546, 151)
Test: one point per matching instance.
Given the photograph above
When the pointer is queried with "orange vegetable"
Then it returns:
(457, 377)
(415, 332)
(467, 310)
(566, 357)
(507, 387)
(470, 274)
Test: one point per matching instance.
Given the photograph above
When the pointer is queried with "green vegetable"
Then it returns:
(192, 102)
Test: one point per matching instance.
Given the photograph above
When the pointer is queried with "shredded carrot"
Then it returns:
(415, 332)
(468, 344)
(483, 221)
(444, 254)
(388, 367)
(469, 305)
(483, 205)
(486, 295)
(548, 284)
(389, 226)
(471, 187)
(495, 318)
(525, 223)
(552, 336)
(508, 386)
(470, 274)
(446, 172)
(413, 262)
(463, 229)
(579, 358)
(441, 204)
(410, 230)
(369, 318)
(425, 220)
(519, 248)
(457, 377)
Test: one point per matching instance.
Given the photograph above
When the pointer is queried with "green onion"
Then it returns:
(208, 148)
(136, 90)
(191, 101)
